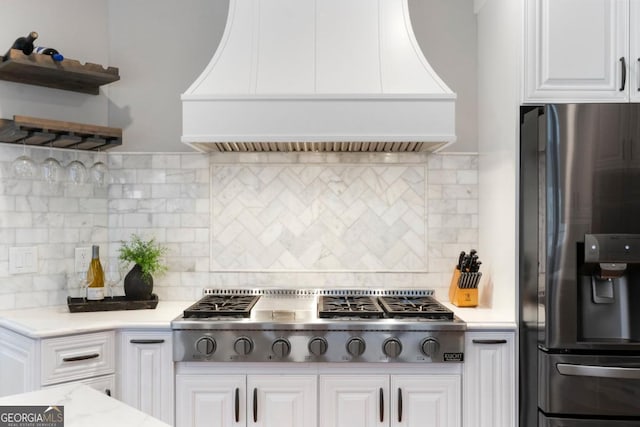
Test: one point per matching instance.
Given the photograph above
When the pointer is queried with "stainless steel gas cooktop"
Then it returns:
(273, 325)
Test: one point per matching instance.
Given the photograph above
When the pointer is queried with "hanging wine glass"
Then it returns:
(99, 174)
(51, 168)
(24, 167)
(76, 171)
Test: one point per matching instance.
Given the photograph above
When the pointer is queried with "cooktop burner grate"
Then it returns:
(222, 305)
(352, 306)
(415, 306)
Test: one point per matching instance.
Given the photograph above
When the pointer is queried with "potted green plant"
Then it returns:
(147, 258)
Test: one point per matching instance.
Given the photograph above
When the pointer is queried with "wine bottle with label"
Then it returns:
(95, 276)
(54, 54)
(25, 44)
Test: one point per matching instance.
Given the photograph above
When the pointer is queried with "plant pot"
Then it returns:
(136, 286)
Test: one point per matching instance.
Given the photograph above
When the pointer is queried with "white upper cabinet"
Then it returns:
(581, 51)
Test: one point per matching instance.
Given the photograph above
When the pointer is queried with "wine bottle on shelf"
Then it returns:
(25, 44)
(95, 276)
(54, 54)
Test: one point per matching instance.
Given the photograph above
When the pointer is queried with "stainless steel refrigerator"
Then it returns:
(579, 272)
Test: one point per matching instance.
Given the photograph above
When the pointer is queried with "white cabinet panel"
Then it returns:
(489, 377)
(282, 400)
(252, 400)
(577, 50)
(19, 370)
(390, 400)
(354, 400)
(210, 400)
(146, 372)
(428, 400)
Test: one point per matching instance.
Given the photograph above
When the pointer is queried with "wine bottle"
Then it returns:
(25, 44)
(54, 54)
(95, 276)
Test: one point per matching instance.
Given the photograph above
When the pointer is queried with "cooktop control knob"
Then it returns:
(318, 346)
(356, 346)
(243, 346)
(206, 345)
(392, 347)
(281, 347)
(430, 347)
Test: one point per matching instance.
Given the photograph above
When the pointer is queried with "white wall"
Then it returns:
(161, 46)
(446, 31)
(78, 29)
(499, 29)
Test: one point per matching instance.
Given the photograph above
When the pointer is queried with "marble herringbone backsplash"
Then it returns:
(319, 218)
(246, 220)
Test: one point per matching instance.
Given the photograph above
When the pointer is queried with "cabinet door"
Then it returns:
(19, 372)
(210, 401)
(489, 380)
(426, 401)
(282, 400)
(354, 401)
(577, 50)
(146, 372)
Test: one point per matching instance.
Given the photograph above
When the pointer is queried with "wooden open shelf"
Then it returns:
(45, 132)
(68, 74)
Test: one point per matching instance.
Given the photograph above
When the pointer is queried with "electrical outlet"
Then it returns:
(82, 259)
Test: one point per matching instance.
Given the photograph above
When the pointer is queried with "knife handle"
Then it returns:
(460, 259)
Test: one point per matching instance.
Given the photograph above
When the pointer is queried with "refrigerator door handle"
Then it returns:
(598, 371)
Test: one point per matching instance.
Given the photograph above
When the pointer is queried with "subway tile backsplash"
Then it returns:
(254, 219)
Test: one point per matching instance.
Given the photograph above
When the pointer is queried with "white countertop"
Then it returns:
(57, 320)
(84, 406)
(481, 318)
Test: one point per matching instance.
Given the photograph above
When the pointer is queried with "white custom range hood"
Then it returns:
(318, 75)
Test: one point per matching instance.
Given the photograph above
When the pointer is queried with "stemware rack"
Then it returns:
(33, 131)
(70, 75)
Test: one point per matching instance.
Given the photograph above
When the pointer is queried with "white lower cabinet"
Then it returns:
(246, 400)
(28, 364)
(146, 372)
(318, 395)
(390, 400)
(489, 379)
(211, 400)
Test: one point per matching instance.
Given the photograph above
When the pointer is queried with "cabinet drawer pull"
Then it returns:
(381, 405)
(623, 64)
(160, 341)
(237, 405)
(255, 405)
(638, 75)
(399, 405)
(79, 358)
(489, 341)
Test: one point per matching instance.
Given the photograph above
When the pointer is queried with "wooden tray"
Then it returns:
(81, 305)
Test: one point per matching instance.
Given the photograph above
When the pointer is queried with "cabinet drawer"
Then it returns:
(105, 384)
(77, 356)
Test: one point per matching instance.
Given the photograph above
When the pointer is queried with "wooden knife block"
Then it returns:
(463, 297)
